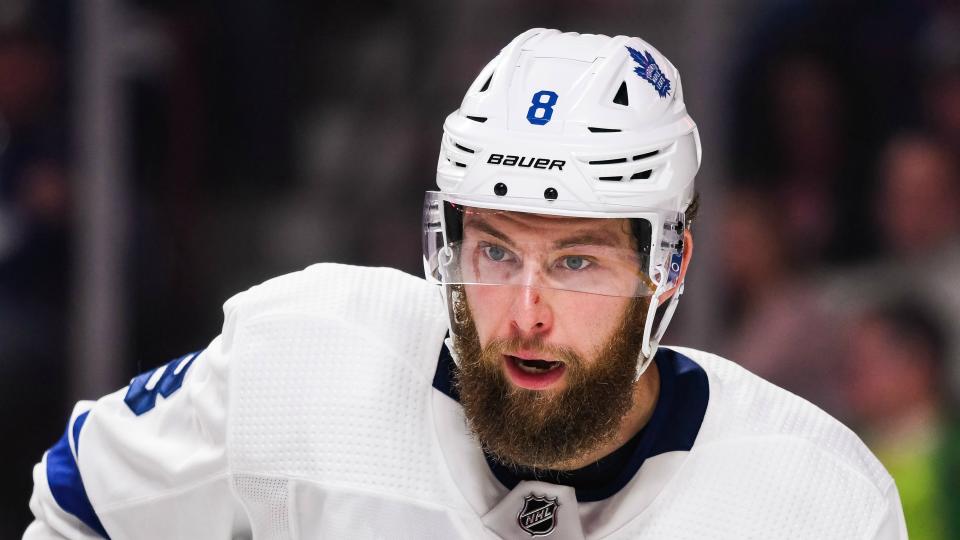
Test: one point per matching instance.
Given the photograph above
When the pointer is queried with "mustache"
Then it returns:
(537, 345)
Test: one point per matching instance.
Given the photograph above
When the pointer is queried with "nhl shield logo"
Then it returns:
(539, 515)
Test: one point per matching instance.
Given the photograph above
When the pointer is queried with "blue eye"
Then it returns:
(495, 253)
(575, 262)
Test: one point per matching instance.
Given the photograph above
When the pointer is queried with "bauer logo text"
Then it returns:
(525, 161)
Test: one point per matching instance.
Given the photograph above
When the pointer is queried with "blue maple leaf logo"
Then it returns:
(649, 71)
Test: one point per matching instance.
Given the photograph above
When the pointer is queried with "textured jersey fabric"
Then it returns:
(320, 412)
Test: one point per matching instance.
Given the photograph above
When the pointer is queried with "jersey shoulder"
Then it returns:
(744, 407)
(382, 307)
(136, 455)
(351, 294)
(330, 389)
(767, 462)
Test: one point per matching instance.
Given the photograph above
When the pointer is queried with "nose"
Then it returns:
(531, 315)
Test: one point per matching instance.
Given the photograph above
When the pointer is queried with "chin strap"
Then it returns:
(448, 341)
(643, 362)
(449, 300)
(652, 339)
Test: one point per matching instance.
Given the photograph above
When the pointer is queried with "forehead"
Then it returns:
(525, 226)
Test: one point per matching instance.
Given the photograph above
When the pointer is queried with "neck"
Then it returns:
(645, 394)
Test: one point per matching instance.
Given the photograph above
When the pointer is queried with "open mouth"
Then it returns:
(534, 373)
(536, 366)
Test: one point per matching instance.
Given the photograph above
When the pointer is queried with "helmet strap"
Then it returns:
(652, 342)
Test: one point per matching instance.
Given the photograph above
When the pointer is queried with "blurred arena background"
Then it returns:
(157, 157)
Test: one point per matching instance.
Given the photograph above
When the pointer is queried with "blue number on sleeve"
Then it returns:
(538, 104)
(140, 399)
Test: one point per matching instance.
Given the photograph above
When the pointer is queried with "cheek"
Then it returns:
(488, 307)
(586, 321)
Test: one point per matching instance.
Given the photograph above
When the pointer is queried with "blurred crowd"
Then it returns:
(841, 268)
(34, 249)
(264, 138)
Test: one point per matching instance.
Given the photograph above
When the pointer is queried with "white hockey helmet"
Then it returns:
(564, 124)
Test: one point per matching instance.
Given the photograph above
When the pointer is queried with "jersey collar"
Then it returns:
(674, 425)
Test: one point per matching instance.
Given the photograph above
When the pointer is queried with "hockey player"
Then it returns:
(518, 392)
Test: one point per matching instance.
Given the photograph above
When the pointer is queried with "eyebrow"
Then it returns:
(589, 238)
(485, 227)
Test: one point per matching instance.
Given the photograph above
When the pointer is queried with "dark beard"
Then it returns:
(542, 429)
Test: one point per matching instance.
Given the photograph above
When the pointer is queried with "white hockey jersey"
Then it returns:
(325, 410)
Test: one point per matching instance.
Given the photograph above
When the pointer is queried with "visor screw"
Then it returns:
(500, 189)
(550, 194)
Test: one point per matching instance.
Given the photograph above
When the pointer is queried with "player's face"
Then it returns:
(546, 375)
(539, 327)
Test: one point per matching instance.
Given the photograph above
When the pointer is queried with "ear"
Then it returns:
(684, 263)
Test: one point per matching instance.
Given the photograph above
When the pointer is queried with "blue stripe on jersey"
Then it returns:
(77, 426)
(681, 421)
(674, 425)
(63, 476)
(443, 378)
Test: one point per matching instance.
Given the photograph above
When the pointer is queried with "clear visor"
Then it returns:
(610, 256)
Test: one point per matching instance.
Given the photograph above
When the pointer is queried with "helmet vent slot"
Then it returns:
(642, 175)
(487, 84)
(608, 161)
(465, 149)
(458, 164)
(601, 130)
(480, 119)
(622, 98)
(648, 154)
(611, 178)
